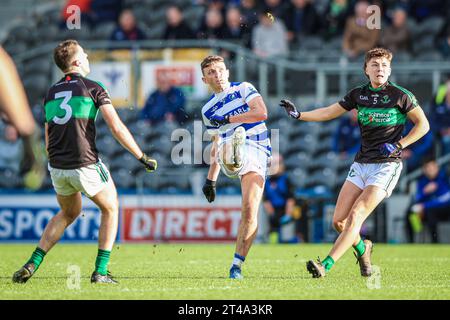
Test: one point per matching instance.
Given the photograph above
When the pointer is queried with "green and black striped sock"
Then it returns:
(101, 263)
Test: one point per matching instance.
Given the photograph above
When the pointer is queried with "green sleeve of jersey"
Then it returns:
(407, 101)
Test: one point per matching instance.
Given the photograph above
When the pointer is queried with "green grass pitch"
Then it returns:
(196, 272)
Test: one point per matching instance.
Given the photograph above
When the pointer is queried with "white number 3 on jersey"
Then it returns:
(65, 106)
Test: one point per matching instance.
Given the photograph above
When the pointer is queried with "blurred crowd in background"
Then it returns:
(272, 27)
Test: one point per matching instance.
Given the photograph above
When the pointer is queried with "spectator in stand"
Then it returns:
(11, 149)
(432, 201)
(127, 28)
(424, 9)
(442, 91)
(106, 10)
(301, 19)
(236, 31)
(336, 15)
(235, 28)
(414, 154)
(218, 5)
(269, 37)
(275, 7)
(214, 27)
(279, 201)
(440, 116)
(166, 103)
(347, 139)
(357, 37)
(249, 10)
(397, 36)
(177, 28)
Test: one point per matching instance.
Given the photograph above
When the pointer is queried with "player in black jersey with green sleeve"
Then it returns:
(71, 107)
(383, 109)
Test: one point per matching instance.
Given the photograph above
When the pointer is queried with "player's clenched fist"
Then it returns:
(149, 163)
(218, 121)
(391, 150)
(209, 190)
(290, 108)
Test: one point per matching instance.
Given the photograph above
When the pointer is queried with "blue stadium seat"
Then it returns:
(298, 177)
(123, 178)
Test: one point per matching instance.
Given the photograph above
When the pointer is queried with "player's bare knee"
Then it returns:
(70, 215)
(339, 225)
(110, 208)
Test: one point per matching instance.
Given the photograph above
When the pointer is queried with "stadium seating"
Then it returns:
(305, 146)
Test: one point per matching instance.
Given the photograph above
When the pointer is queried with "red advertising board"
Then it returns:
(180, 223)
(178, 75)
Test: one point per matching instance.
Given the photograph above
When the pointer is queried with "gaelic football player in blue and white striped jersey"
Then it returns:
(234, 117)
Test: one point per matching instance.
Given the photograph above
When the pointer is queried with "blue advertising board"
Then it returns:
(23, 218)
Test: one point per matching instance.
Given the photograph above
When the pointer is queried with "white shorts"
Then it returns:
(383, 175)
(90, 179)
(255, 160)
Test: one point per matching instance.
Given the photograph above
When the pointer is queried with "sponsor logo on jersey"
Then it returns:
(381, 117)
(385, 99)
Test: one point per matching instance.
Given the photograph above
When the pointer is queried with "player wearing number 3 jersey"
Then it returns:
(71, 107)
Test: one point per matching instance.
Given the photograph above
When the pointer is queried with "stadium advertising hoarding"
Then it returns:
(179, 218)
(23, 218)
(180, 224)
(181, 66)
(116, 77)
(184, 75)
(146, 218)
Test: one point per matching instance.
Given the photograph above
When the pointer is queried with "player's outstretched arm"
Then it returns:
(322, 114)
(13, 100)
(123, 135)
(209, 188)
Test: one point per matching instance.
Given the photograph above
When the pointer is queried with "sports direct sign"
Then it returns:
(142, 218)
(180, 224)
(180, 218)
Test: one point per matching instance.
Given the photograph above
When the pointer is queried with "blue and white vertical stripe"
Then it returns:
(233, 101)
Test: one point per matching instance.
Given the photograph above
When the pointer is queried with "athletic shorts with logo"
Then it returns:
(255, 160)
(383, 175)
(89, 180)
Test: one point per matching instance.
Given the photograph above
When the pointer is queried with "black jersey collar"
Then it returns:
(73, 74)
(70, 75)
